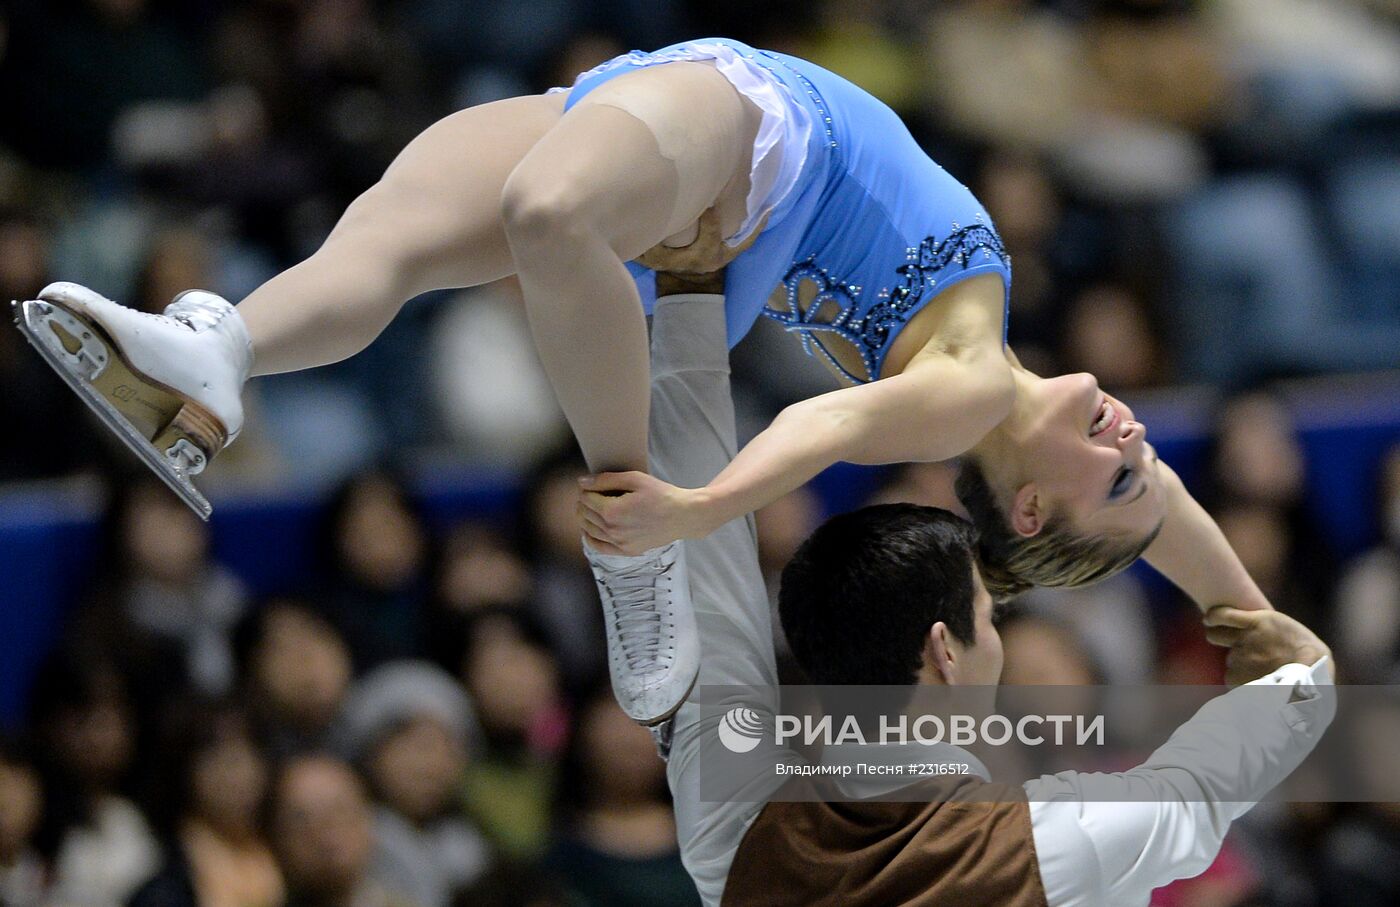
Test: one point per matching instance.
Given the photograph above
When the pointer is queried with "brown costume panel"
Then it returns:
(967, 845)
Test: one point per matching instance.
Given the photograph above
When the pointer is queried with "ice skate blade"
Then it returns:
(30, 319)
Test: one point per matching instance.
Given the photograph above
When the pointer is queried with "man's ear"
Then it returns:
(1027, 514)
(939, 654)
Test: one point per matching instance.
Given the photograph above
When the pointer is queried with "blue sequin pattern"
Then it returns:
(870, 331)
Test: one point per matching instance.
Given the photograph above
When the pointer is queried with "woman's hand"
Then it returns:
(630, 512)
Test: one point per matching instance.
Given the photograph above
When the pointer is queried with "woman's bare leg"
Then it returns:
(637, 160)
(561, 200)
(432, 221)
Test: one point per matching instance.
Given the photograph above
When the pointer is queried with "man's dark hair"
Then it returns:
(859, 597)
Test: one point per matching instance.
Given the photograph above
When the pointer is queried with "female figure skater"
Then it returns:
(824, 214)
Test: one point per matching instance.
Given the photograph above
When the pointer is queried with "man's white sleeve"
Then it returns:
(1111, 838)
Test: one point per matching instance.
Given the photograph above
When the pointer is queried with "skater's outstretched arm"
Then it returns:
(1166, 819)
(943, 402)
(1191, 551)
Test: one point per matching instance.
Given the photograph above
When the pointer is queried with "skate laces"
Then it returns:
(636, 592)
(199, 311)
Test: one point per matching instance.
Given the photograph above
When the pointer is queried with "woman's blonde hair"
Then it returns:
(1058, 555)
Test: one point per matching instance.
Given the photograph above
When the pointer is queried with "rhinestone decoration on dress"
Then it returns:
(871, 330)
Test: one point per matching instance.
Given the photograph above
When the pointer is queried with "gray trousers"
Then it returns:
(692, 439)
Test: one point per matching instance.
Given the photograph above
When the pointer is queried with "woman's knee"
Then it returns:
(600, 175)
(541, 207)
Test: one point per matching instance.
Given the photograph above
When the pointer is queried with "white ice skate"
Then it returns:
(653, 645)
(167, 385)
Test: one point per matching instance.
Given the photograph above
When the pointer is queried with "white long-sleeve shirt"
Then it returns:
(1111, 838)
(1101, 839)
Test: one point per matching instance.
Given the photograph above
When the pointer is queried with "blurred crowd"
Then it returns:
(415, 727)
(1192, 192)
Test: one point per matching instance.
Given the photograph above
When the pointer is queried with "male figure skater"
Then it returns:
(891, 595)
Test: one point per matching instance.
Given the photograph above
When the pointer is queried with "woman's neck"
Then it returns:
(999, 450)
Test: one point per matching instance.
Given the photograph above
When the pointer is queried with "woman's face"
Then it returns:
(95, 740)
(416, 769)
(1259, 454)
(620, 754)
(302, 667)
(229, 782)
(511, 679)
(162, 538)
(1084, 455)
(381, 541)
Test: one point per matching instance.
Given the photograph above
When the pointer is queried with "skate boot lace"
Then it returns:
(197, 314)
(636, 592)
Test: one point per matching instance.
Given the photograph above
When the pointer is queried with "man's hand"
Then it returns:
(1260, 642)
(630, 512)
(705, 254)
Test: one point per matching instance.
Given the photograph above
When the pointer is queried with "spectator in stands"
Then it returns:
(1109, 333)
(1263, 543)
(929, 484)
(480, 569)
(1274, 276)
(566, 599)
(411, 728)
(1257, 456)
(98, 844)
(178, 258)
(1030, 213)
(1367, 620)
(348, 56)
(863, 41)
(1031, 100)
(376, 547)
(1361, 855)
(477, 569)
(513, 678)
(162, 604)
(1113, 619)
(22, 870)
(477, 335)
(1042, 651)
(323, 832)
(207, 797)
(782, 526)
(35, 404)
(59, 112)
(617, 836)
(1288, 841)
(1256, 493)
(297, 670)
